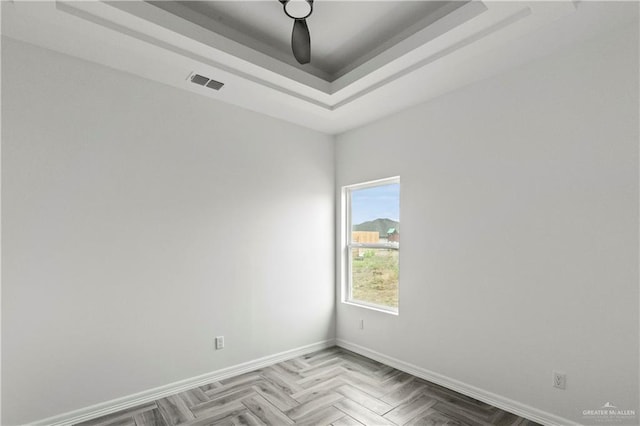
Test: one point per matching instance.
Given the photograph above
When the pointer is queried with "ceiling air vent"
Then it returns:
(206, 81)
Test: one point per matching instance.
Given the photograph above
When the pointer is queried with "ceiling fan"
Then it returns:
(299, 11)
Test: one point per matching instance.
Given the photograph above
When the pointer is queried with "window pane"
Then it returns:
(374, 276)
(374, 242)
(375, 214)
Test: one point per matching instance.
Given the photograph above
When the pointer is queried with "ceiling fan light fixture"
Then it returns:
(298, 9)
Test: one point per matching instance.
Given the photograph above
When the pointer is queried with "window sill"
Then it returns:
(371, 307)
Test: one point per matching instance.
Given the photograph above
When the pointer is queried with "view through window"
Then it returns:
(373, 223)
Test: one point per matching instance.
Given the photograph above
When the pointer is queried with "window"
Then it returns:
(373, 243)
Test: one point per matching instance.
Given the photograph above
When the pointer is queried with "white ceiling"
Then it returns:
(397, 54)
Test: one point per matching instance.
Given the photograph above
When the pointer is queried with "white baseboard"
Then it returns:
(501, 402)
(144, 397)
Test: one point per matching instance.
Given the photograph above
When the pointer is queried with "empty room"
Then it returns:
(327, 212)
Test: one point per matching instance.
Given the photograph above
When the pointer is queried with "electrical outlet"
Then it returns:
(559, 380)
(361, 324)
(220, 342)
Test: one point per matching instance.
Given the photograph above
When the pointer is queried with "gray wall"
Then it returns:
(519, 211)
(140, 221)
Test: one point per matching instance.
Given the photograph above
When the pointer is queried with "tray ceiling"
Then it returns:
(369, 59)
(344, 34)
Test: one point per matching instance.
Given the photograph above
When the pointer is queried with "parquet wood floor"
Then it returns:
(330, 387)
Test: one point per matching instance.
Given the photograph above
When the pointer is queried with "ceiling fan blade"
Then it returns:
(301, 41)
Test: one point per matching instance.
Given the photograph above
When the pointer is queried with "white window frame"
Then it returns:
(349, 246)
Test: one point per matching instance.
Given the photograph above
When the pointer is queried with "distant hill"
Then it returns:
(379, 225)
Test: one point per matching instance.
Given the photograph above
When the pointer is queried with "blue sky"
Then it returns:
(379, 202)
